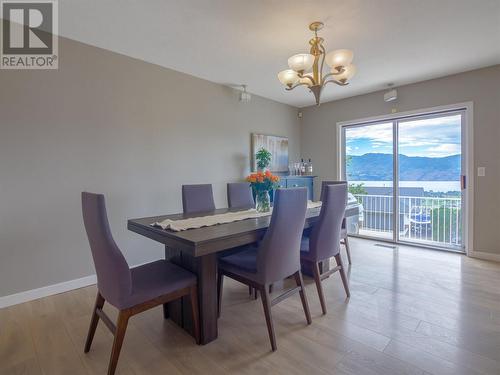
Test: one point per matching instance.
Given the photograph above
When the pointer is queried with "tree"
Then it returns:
(357, 189)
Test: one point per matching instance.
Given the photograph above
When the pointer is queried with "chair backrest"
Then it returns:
(325, 183)
(113, 273)
(197, 198)
(324, 241)
(279, 252)
(239, 195)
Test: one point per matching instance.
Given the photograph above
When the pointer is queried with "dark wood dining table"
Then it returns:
(198, 249)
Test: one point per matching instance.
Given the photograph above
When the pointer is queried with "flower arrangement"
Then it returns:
(262, 183)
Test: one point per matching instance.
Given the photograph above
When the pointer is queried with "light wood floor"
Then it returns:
(412, 311)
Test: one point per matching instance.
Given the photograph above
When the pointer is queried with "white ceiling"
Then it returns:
(249, 41)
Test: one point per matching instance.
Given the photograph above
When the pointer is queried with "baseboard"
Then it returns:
(50, 290)
(46, 291)
(485, 256)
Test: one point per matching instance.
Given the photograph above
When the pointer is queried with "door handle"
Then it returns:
(463, 182)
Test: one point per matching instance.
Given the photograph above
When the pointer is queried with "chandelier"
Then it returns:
(306, 69)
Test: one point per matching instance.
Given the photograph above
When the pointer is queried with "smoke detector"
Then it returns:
(244, 95)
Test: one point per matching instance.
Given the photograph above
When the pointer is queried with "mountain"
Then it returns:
(378, 167)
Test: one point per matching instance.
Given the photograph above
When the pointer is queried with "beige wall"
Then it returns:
(107, 123)
(482, 87)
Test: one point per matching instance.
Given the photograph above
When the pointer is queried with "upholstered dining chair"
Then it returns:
(343, 232)
(197, 198)
(276, 257)
(324, 240)
(130, 290)
(239, 195)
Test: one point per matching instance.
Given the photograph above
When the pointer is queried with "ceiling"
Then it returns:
(233, 42)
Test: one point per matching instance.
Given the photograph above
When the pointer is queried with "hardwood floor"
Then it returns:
(411, 311)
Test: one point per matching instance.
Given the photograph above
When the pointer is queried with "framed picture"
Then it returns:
(277, 146)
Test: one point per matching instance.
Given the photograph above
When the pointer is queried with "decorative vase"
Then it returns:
(263, 201)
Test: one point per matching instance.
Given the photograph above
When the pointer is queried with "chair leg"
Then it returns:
(220, 284)
(343, 276)
(196, 313)
(254, 293)
(121, 327)
(302, 292)
(270, 288)
(266, 303)
(166, 314)
(347, 249)
(250, 290)
(99, 303)
(319, 286)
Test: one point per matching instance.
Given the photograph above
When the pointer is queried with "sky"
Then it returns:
(435, 137)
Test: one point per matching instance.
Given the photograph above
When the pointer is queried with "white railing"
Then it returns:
(435, 220)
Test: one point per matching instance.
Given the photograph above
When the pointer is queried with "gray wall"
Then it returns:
(108, 123)
(318, 134)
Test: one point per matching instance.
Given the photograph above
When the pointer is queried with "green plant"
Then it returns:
(357, 189)
(263, 158)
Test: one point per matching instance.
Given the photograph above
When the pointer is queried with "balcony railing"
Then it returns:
(425, 219)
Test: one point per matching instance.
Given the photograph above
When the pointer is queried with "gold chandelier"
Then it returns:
(306, 69)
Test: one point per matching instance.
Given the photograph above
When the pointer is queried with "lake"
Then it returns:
(436, 186)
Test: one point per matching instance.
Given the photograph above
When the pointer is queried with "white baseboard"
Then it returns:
(50, 290)
(46, 291)
(485, 256)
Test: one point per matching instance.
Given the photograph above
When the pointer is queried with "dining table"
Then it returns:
(197, 250)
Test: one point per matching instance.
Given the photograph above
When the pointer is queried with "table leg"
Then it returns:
(205, 267)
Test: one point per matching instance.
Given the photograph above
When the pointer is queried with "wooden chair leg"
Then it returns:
(220, 284)
(266, 303)
(250, 290)
(347, 249)
(99, 303)
(121, 328)
(196, 313)
(166, 314)
(343, 276)
(319, 286)
(302, 292)
(254, 293)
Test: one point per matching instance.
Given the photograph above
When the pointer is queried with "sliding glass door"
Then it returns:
(407, 176)
(369, 167)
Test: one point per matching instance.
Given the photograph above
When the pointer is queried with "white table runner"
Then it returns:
(206, 221)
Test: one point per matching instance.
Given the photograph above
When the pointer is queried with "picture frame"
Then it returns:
(277, 146)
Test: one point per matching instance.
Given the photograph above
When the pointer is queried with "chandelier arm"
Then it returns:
(322, 79)
(296, 85)
(310, 78)
(336, 82)
(332, 74)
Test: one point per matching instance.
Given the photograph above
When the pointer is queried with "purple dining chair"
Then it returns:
(239, 195)
(343, 232)
(130, 290)
(197, 198)
(324, 240)
(275, 258)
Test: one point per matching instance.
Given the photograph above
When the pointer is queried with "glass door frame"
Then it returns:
(467, 167)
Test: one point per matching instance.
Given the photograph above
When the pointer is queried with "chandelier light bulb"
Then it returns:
(301, 62)
(306, 80)
(346, 75)
(339, 58)
(288, 77)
